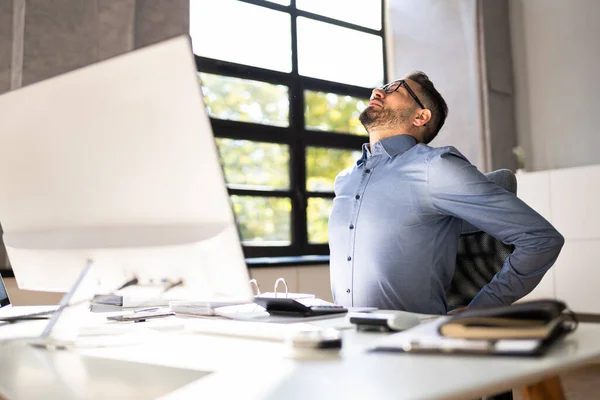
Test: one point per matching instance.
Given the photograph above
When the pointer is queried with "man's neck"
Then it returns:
(375, 135)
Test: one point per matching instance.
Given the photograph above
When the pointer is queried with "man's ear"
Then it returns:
(422, 118)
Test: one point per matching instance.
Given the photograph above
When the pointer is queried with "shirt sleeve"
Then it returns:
(458, 189)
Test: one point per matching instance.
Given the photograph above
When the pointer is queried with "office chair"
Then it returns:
(480, 255)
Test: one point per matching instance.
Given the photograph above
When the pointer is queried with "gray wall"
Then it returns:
(6, 28)
(57, 36)
(556, 65)
(464, 46)
(498, 101)
(40, 39)
(440, 38)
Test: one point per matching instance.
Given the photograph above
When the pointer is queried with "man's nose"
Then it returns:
(377, 94)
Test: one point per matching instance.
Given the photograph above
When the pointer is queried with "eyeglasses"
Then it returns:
(395, 85)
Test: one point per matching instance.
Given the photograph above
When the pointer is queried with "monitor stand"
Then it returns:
(64, 329)
(64, 325)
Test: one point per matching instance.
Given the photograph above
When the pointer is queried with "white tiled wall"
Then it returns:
(266, 278)
(575, 196)
(534, 189)
(315, 279)
(577, 273)
(303, 279)
(570, 200)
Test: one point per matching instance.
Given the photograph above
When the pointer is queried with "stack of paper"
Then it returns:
(202, 308)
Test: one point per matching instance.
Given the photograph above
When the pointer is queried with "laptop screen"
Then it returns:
(4, 301)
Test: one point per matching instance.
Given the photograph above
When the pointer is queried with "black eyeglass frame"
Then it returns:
(401, 82)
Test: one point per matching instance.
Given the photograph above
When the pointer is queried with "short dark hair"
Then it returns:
(431, 99)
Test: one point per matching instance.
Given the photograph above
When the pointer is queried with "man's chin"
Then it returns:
(369, 115)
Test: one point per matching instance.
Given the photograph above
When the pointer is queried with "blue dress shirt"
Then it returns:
(396, 220)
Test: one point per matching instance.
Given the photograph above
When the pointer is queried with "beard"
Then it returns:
(384, 118)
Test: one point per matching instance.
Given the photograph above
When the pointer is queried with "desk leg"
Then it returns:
(548, 389)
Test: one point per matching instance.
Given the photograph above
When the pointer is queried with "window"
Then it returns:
(284, 82)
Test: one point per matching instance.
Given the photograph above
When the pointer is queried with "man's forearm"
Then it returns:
(521, 273)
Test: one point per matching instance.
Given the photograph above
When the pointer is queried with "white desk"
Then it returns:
(167, 358)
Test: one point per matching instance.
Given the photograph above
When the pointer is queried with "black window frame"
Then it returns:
(296, 136)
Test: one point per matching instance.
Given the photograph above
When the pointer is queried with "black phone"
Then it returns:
(292, 307)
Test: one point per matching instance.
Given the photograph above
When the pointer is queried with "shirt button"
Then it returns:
(347, 290)
(367, 171)
(357, 196)
(351, 226)
(349, 258)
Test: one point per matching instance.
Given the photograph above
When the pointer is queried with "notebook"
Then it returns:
(527, 320)
(499, 339)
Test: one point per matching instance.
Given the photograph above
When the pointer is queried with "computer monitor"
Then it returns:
(116, 163)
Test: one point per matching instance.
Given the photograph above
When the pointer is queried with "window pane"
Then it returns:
(243, 33)
(317, 217)
(263, 221)
(338, 54)
(245, 100)
(323, 165)
(333, 113)
(255, 165)
(366, 13)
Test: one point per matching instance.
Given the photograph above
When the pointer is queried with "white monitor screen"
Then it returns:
(116, 162)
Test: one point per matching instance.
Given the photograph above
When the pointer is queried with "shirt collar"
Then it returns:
(391, 146)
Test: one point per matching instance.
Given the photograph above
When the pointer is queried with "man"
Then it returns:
(397, 214)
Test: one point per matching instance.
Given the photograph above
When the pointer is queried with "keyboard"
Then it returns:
(248, 329)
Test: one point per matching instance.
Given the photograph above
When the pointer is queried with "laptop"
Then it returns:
(8, 312)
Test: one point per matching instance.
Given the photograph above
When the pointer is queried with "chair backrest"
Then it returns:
(480, 255)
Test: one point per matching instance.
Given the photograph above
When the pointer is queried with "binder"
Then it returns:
(294, 304)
